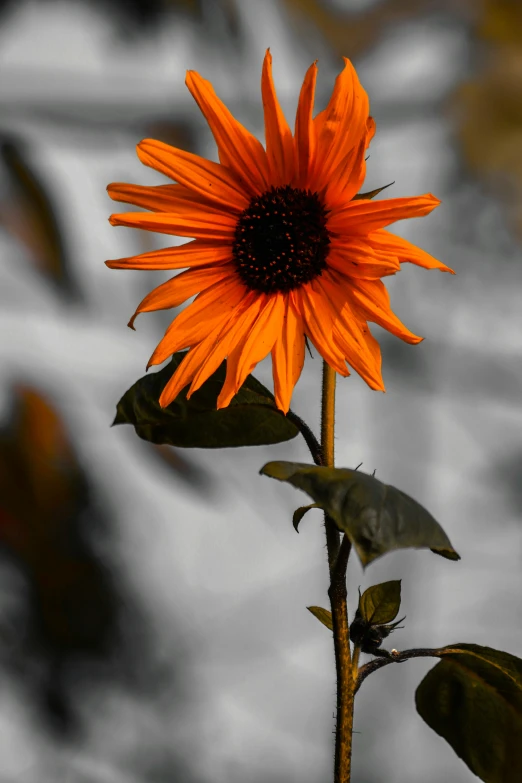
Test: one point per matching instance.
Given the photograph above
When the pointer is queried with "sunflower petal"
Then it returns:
(196, 223)
(318, 322)
(208, 179)
(353, 260)
(371, 299)
(184, 373)
(191, 254)
(178, 289)
(204, 359)
(384, 242)
(288, 355)
(349, 333)
(238, 149)
(305, 131)
(278, 136)
(349, 175)
(342, 125)
(160, 198)
(213, 307)
(254, 347)
(227, 338)
(363, 216)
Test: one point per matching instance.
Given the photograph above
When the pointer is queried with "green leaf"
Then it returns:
(323, 615)
(379, 604)
(376, 517)
(251, 419)
(473, 698)
(371, 193)
(299, 514)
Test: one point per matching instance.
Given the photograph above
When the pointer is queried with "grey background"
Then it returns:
(220, 574)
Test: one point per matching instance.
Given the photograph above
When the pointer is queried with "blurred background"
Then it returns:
(152, 602)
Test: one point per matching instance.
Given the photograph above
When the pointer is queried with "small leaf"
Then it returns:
(379, 604)
(299, 514)
(473, 698)
(251, 419)
(371, 193)
(376, 517)
(323, 615)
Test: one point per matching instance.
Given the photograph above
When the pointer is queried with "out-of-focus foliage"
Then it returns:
(45, 506)
(488, 107)
(351, 31)
(27, 213)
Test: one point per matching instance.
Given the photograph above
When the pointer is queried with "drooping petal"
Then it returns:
(205, 357)
(364, 215)
(341, 126)
(305, 131)
(178, 289)
(228, 337)
(198, 223)
(288, 355)
(318, 322)
(254, 347)
(278, 136)
(162, 198)
(371, 299)
(191, 254)
(215, 183)
(183, 374)
(384, 242)
(349, 332)
(238, 149)
(211, 308)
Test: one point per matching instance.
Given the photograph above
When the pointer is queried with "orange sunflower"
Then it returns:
(280, 249)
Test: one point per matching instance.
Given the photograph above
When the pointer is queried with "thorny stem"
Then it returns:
(338, 561)
(396, 657)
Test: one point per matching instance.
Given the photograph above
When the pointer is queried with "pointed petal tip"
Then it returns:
(164, 400)
(131, 322)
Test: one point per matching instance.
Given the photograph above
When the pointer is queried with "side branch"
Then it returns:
(396, 657)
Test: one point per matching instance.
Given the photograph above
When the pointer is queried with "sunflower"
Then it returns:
(281, 249)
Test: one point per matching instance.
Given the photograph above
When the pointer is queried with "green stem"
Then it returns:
(338, 561)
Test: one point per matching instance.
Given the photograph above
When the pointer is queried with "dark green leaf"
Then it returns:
(323, 615)
(376, 517)
(371, 193)
(379, 604)
(251, 419)
(299, 514)
(473, 698)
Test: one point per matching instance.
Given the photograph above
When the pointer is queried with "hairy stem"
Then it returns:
(338, 561)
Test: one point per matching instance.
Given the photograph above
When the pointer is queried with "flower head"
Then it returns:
(280, 249)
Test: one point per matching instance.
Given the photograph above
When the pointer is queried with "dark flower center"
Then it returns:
(281, 240)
